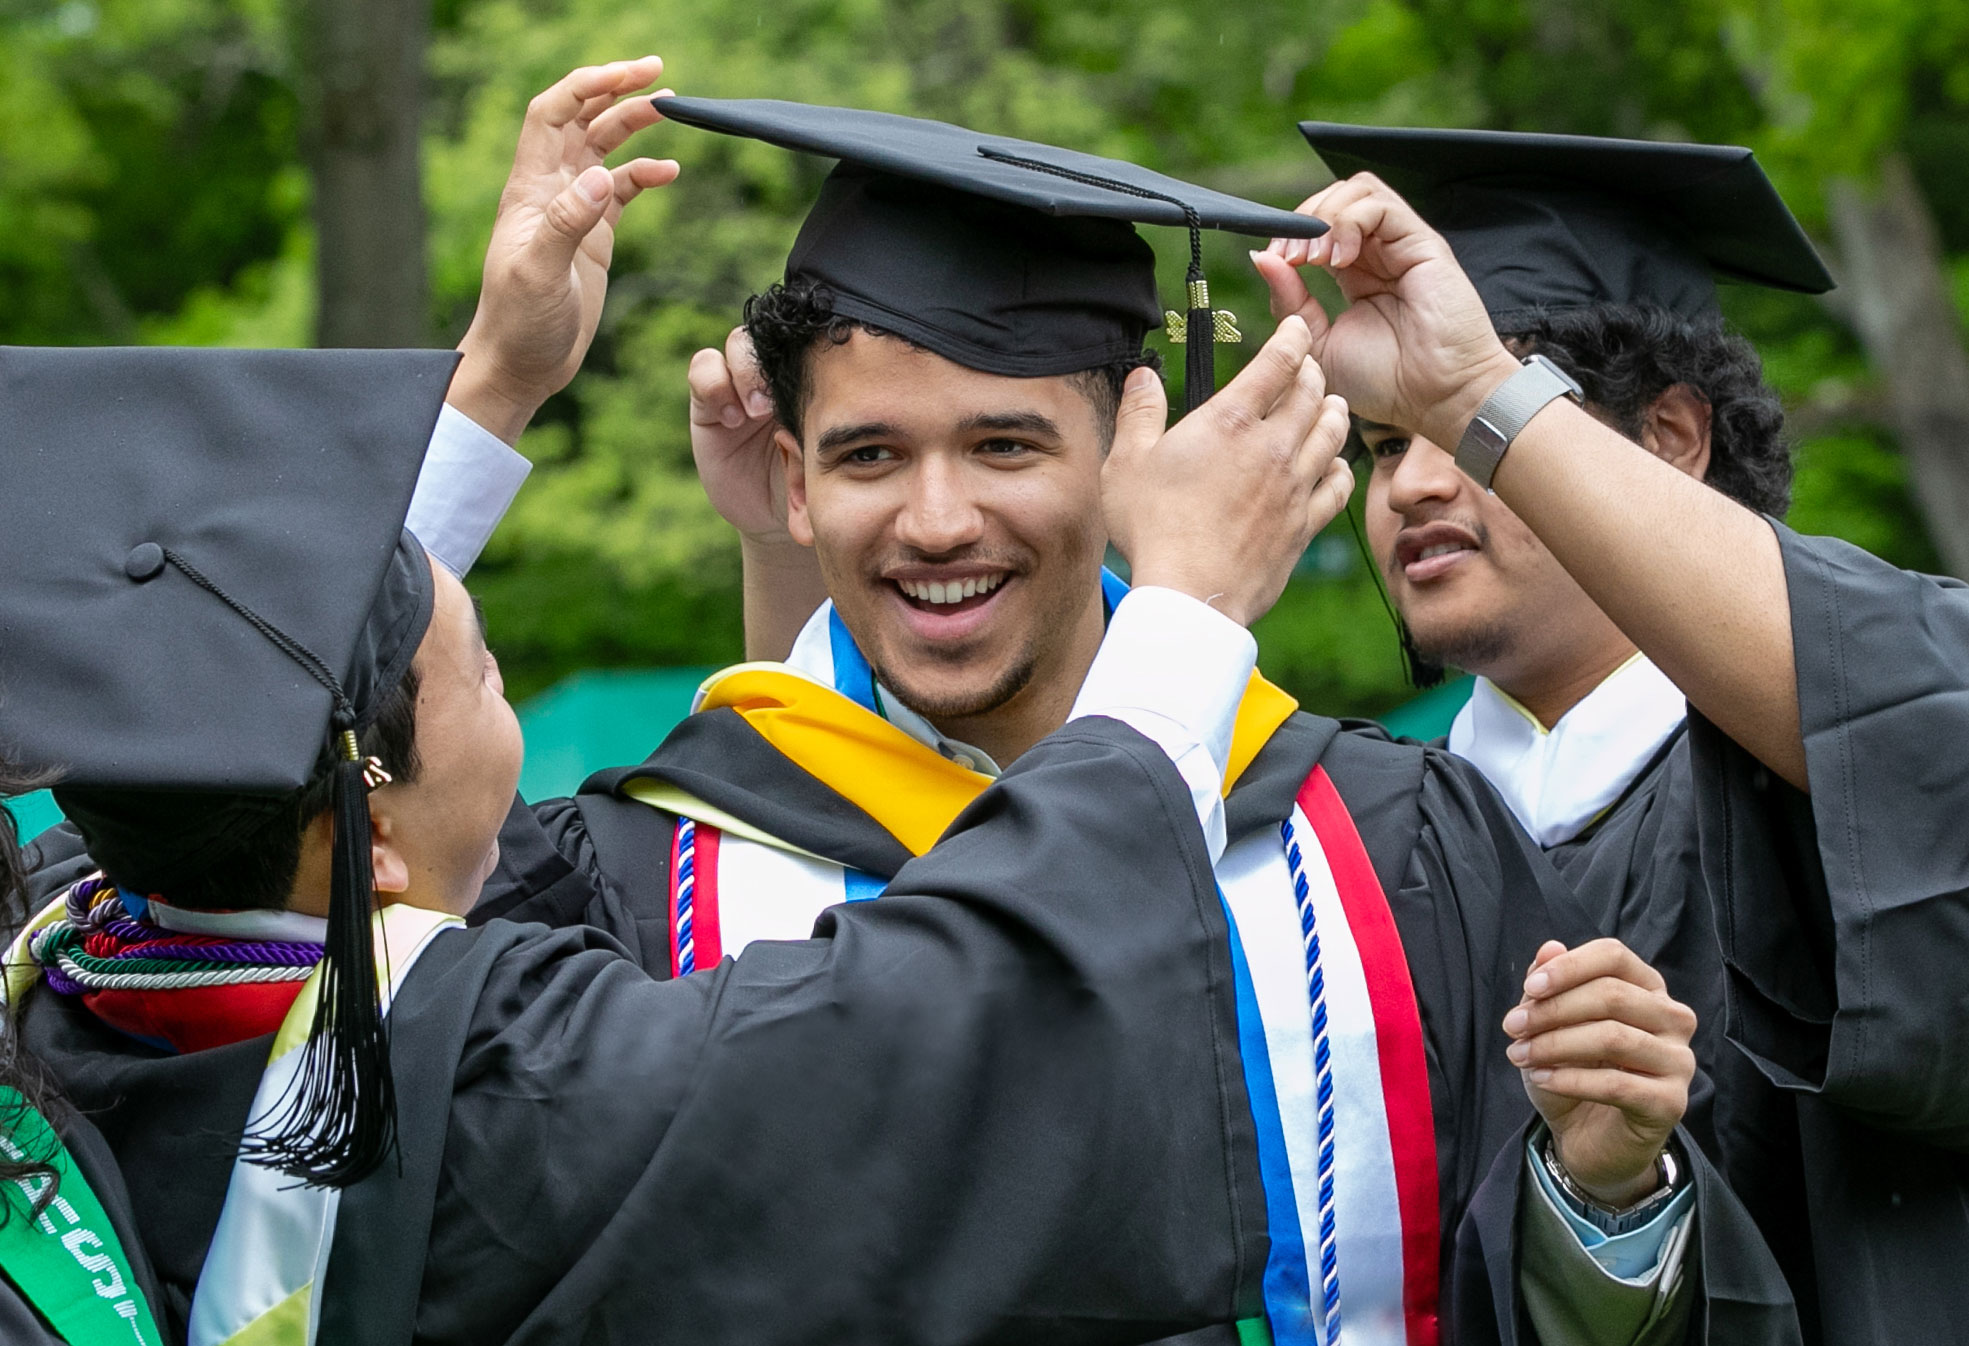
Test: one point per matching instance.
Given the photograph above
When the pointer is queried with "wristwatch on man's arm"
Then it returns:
(1615, 1220)
(1506, 412)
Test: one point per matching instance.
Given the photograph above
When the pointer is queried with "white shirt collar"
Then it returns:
(269, 923)
(813, 655)
(1558, 781)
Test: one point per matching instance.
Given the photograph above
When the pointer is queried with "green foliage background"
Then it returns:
(151, 191)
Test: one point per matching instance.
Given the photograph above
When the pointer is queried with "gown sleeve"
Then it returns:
(1844, 917)
(1468, 956)
(594, 859)
(1004, 1101)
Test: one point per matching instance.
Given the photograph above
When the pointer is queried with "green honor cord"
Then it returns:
(67, 1261)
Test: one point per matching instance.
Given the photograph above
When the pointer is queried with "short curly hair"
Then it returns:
(790, 319)
(1627, 355)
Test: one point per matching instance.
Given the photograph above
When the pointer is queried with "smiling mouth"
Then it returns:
(1436, 556)
(952, 595)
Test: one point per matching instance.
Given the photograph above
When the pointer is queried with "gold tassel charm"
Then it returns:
(1223, 322)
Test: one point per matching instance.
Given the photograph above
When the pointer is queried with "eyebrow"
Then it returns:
(478, 611)
(842, 435)
(1376, 427)
(1030, 422)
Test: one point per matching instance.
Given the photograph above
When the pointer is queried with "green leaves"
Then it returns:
(151, 189)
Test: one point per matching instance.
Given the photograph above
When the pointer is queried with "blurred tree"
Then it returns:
(147, 151)
(1856, 96)
(153, 187)
(361, 73)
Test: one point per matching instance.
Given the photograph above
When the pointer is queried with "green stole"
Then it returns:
(68, 1261)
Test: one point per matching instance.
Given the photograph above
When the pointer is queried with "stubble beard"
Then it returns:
(961, 705)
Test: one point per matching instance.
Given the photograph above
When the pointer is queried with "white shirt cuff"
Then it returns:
(468, 483)
(1174, 670)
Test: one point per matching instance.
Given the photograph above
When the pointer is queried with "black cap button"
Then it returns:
(144, 561)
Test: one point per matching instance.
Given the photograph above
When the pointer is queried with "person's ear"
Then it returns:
(798, 525)
(386, 857)
(1675, 429)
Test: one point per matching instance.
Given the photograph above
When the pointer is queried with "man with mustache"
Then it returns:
(951, 425)
(1816, 679)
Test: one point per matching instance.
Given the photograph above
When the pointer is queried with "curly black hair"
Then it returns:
(1627, 355)
(787, 321)
(18, 1070)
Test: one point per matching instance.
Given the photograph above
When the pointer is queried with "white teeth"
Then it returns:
(954, 591)
(1443, 550)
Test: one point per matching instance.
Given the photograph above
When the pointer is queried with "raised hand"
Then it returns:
(1604, 1050)
(546, 270)
(732, 441)
(1415, 347)
(1221, 505)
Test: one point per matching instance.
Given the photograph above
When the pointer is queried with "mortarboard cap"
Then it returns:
(208, 590)
(1550, 223)
(1002, 255)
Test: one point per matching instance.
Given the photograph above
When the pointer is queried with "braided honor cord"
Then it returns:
(686, 894)
(1322, 1084)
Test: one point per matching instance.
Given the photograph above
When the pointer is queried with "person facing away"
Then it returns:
(948, 487)
(343, 1116)
(1816, 679)
(72, 1269)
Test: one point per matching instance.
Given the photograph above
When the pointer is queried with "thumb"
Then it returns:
(569, 218)
(1144, 412)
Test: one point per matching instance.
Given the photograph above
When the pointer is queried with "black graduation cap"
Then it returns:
(207, 592)
(1549, 223)
(1002, 255)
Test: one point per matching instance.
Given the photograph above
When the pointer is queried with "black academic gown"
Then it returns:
(936, 1121)
(1471, 895)
(20, 1323)
(1714, 872)
(1843, 921)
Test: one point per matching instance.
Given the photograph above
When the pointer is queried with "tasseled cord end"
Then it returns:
(1201, 329)
(337, 1122)
(1199, 341)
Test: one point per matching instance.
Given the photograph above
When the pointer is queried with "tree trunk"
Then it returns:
(1895, 293)
(362, 84)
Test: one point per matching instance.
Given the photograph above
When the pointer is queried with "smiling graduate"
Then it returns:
(950, 368)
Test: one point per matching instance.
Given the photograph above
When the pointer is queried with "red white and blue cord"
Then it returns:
(686, 892)
(1329, 1250)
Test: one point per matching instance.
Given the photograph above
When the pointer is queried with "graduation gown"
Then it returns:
(1830, 1098)
(931, 1122)
(1843, 921)
(1471, 897)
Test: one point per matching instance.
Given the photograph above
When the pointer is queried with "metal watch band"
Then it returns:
(1609, 1220)
(1507, 411)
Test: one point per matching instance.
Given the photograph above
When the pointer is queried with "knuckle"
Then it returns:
(1236, 419)
(1631, 1041)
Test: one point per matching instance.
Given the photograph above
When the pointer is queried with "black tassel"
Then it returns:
(1421, 671)
(1199, 352)
(337, 1122)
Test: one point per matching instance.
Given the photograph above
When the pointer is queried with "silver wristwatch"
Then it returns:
(1505, 412)
(1615, 1220)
